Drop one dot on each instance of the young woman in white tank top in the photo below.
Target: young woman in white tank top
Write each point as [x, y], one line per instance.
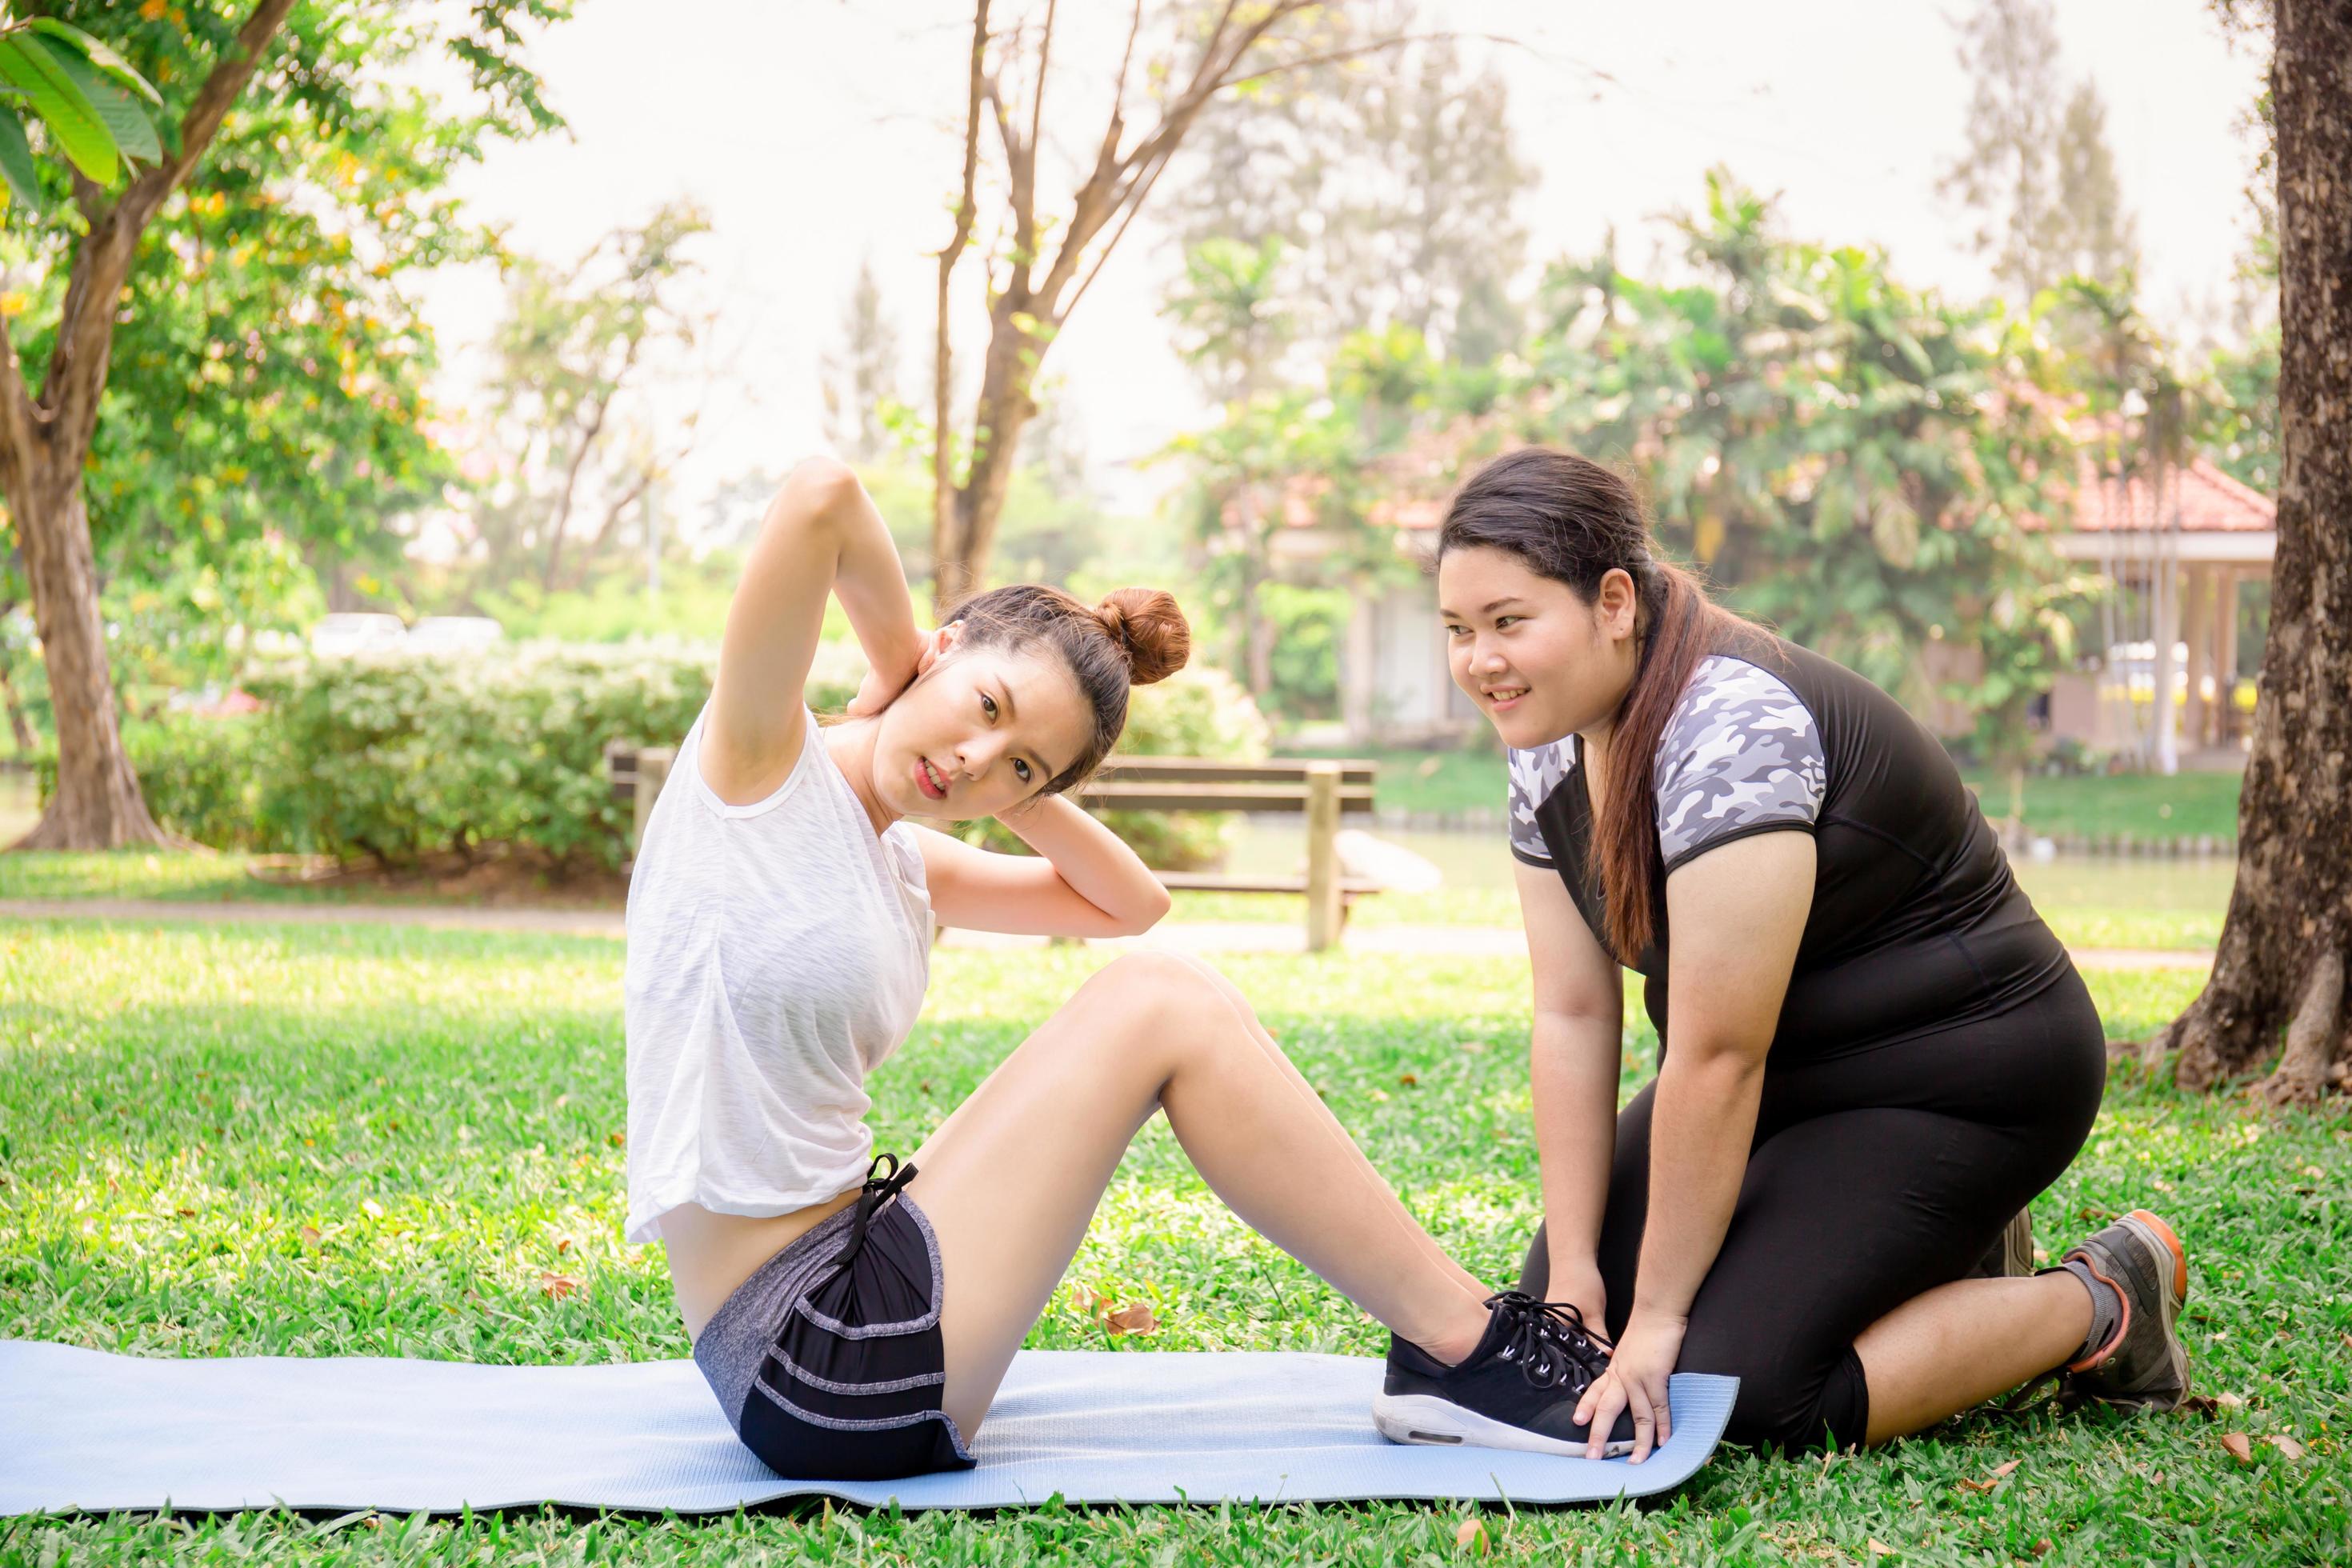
[853, 1315]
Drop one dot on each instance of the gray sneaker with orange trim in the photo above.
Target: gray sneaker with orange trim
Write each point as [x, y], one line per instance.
[2143, 1362]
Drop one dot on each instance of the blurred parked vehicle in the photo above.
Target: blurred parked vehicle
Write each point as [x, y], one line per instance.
[453, 633]
[349, 632]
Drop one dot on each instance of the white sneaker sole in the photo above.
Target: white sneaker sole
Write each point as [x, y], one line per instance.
[1425, 1418]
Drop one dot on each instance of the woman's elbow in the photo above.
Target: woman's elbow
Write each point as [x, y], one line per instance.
[816, 488]
[1152, 905]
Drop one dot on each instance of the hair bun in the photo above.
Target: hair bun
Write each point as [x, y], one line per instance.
[1146, 623]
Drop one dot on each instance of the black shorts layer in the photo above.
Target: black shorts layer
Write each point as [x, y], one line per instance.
[827, 1360]
[1875, 1176]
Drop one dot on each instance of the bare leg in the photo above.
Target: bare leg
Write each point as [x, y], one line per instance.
[1960, 1344]
[1011, 1180]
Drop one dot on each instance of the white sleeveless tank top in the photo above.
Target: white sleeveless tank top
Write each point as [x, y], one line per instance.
[777, 952]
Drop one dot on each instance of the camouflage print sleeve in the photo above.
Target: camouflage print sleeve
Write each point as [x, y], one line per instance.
[1534, 774]
[1739, 752]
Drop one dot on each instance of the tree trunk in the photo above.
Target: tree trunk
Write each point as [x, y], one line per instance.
[1006, 409]
[2285, 944]
[1257, 635]
[20, 727]
[97, 804]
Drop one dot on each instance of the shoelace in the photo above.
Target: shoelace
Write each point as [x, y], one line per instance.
[878, 1190]
[1549, 1340]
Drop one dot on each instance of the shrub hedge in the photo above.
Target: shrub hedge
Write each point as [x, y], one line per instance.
[396, 757]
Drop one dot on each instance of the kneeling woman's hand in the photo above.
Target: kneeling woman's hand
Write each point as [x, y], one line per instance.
[1635, 1381]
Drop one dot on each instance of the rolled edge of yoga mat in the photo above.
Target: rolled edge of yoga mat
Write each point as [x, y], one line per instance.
[83, 1430]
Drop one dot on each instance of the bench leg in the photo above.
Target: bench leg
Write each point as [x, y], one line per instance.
[1324, 910]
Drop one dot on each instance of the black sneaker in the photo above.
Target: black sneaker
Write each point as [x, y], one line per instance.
[1517, 1389]
[2143, 1365]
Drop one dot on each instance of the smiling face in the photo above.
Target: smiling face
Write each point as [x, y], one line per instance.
[1539, 662]
[981, 731]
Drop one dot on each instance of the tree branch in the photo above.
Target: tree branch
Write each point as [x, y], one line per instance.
[77, 370]
[1037, 103]
[942, 359]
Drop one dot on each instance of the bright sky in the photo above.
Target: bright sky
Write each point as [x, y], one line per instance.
[817, 132]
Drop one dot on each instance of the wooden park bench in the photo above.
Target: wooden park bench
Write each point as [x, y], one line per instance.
[1321, 791]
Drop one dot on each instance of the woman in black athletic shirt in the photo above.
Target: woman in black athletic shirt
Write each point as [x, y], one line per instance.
[1872, 1053]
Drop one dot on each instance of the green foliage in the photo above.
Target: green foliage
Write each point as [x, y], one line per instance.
[202, 777]
[270, 363]
[572, 453]
[394, 758]
[1307, 624]
[1852, 460]
[354, 1141]
[617, 607]
[2241, 407]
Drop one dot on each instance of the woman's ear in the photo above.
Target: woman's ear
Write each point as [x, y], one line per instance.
[937, 646]
[1619, 602]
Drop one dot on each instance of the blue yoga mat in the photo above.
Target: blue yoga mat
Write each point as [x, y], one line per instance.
[83, 1430]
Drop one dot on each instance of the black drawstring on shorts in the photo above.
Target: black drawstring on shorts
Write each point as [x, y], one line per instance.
[878, 1190]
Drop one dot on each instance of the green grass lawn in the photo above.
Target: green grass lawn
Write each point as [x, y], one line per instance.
[2185, 805]
[221, 1140]
[1451, 781]
[2123, 903]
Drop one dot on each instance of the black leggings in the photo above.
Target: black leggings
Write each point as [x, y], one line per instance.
[1875, 1177]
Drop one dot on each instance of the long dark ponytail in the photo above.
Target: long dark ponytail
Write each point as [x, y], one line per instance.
[1573, 520]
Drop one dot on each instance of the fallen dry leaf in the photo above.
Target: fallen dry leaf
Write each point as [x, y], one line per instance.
[2240, 1448]
[2285, 1445]
[2041, 1547]
[186, 1213]
[311, 1233]
[1409, 1079]
[1470, 1535]
[616, 1138]
[1135, 1317]
[557, 1285]
[1879, 1548]
[1088, 1302]
[2229, 1401]
[562, 1244]
[1991, 1480]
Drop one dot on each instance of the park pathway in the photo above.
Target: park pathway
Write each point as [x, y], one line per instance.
[1187, 936]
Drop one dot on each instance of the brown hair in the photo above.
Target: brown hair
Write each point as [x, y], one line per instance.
[1573, 520]
[1135, 637]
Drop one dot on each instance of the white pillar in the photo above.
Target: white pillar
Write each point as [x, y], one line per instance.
[2225, 655]
[2199, 620]
[2165, 581]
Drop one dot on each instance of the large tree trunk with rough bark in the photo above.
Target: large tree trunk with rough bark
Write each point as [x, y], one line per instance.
[97, 804]
[2285, 945]
[44, 441]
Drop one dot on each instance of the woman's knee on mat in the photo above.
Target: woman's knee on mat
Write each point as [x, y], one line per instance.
[1788, 1400]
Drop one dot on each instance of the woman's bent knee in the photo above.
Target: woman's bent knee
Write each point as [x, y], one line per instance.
[1153, 993]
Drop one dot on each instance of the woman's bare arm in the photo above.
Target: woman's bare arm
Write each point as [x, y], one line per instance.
[1736, 913]
[1575, 1051]
[821, 535]
[1083, 881]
